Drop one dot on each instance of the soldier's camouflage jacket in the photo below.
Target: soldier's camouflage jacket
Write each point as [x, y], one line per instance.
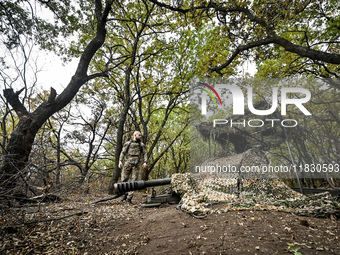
[135, 152]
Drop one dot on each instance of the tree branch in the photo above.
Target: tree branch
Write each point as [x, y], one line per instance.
[307, 52]
[52, 96]
[238, 50]
[13, 99]
[80, 76]
[302, 51]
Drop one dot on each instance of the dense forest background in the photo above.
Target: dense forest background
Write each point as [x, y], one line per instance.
[136, 60]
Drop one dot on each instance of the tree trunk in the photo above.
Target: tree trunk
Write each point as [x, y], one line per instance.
[144, 174]
[119, 147]
[127, 102]
[22, 138]
[120, 131]
[18, 150]
[58, 170]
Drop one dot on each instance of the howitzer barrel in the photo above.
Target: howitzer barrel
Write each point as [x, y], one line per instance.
[123, 187]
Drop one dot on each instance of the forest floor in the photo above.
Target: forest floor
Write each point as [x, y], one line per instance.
[76, 226]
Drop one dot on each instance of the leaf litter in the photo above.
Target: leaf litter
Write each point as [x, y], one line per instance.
[253, 225]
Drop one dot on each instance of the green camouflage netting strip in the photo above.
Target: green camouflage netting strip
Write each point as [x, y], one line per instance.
[261, 194]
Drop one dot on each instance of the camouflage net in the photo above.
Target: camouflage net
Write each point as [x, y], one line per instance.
[198, 196]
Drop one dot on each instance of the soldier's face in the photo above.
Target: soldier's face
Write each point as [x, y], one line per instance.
[138, 135]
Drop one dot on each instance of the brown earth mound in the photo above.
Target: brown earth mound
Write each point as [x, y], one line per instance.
[113, 227]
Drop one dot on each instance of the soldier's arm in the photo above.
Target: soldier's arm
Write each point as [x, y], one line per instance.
[145, 153]
[124, 151]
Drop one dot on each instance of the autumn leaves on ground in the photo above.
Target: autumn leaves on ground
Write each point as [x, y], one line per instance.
[76, 226]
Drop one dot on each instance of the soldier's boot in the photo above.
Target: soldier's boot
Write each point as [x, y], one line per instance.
[128, 200]
[124, 197]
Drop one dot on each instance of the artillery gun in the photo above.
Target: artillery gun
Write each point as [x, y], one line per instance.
[153, 199]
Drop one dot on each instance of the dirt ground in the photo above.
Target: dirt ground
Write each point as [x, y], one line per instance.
[76, 226]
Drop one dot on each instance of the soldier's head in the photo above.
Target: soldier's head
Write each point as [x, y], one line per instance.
[137, 136]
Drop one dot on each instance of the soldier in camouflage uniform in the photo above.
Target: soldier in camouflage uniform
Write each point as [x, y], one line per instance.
[135, 153]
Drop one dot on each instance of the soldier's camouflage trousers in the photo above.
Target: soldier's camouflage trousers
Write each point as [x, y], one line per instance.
[132, 170]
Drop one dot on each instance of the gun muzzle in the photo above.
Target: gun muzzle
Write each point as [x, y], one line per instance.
[123, 187]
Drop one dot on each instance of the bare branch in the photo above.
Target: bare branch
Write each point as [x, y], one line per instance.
[13, 99]
[52, 96]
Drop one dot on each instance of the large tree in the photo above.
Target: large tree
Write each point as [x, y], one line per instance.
[22, 137]
[299, 36]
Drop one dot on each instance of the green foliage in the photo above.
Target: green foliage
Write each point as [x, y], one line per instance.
[312, 24]
[21, 18]
[295, 251]
[154, 53]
